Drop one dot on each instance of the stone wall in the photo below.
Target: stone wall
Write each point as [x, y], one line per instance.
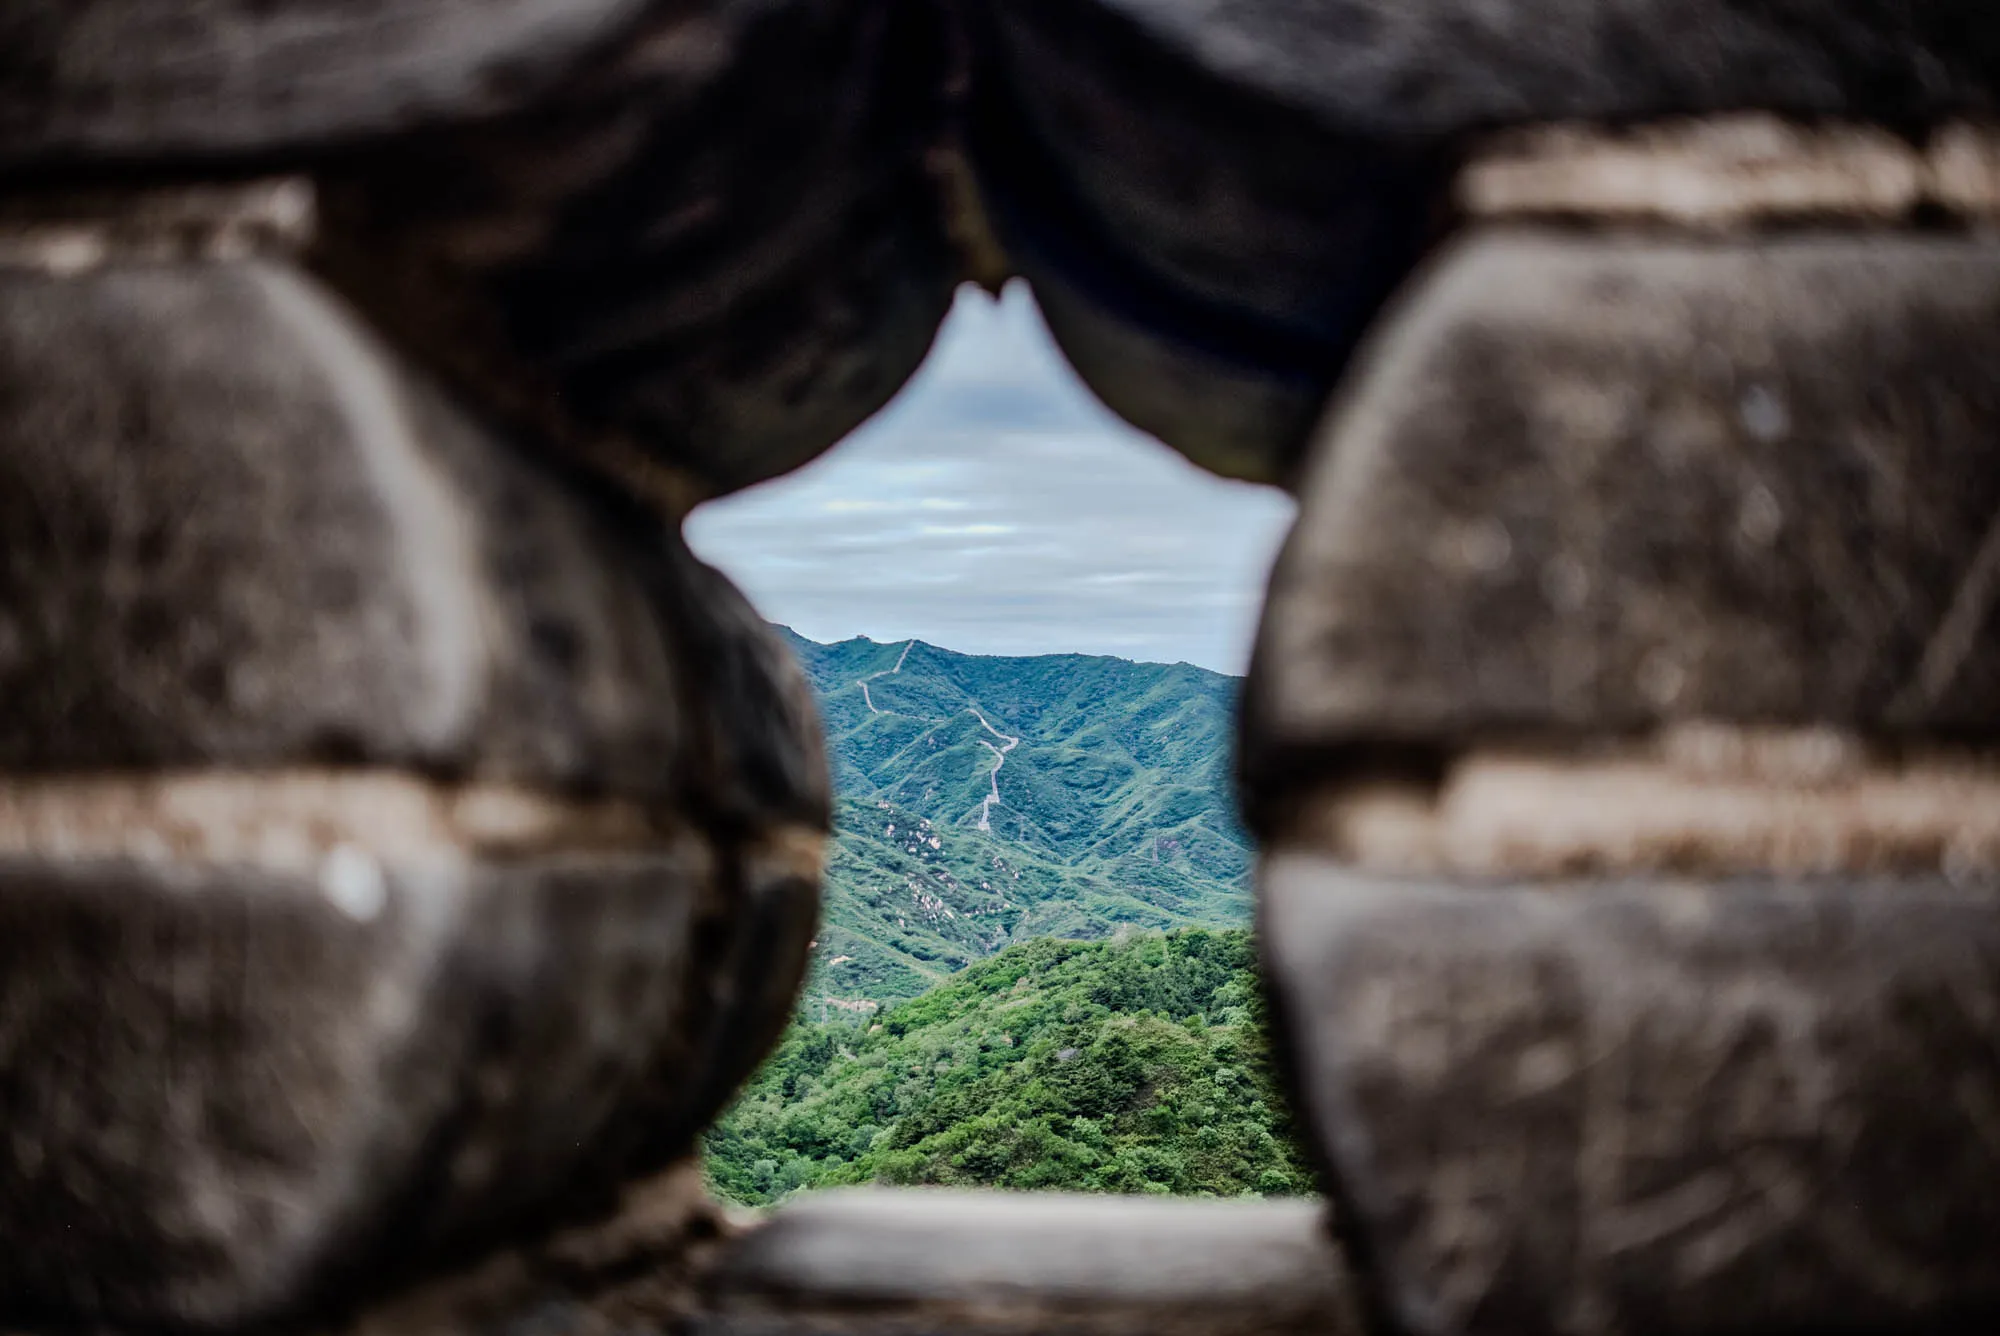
[406, 845]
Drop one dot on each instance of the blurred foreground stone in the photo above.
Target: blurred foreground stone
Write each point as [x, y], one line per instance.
[1651, 1103]
[404, 845]
[931, 1260]
[1592, 486]
[1621, 733]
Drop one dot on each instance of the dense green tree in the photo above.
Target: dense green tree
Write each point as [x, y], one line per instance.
[1131, 1066]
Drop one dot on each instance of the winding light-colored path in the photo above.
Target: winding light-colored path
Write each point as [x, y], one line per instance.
[863, 683]
[999, 753]
[999, 759]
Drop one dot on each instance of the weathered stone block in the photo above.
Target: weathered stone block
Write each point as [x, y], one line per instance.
[300, 1071]
[1646, 1104]
[707, 232]
[719, 252]
[403, 842]
[1230, 193]
[1398, 68]
[1208, 257]
[1598, 485]
[888, 1262]
[632, 1270]
[233, 531]
[225, 1082]
[1224, 412]
[146, 78]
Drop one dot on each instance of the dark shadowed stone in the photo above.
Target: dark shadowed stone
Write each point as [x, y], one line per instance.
[633, 1270]
[233, 531]
[1396, 68]
[1219, 197]
[228, 1088]
[708, 231]
[886, 1262]
[153, 78]
[1650, 1105]
[403, 843]
[236, 532]
[1209, 257]
[748, 392]
[729, 273]
[1223, 412]
[1596, 485]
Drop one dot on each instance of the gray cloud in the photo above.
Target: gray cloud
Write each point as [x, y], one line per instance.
[995, 507]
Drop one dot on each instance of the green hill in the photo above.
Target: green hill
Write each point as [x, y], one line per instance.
[1110, 806]
[1125, 1066]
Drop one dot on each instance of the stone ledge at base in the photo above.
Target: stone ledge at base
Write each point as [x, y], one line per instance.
[896, 1263]
[1649, 1104]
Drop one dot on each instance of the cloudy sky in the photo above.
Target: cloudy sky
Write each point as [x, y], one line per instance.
[995, 507]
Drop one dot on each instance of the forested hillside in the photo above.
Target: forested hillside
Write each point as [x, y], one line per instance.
[1122, 1066]
[984, 801]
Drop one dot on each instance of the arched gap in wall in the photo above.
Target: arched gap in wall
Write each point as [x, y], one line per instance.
[1024, 621]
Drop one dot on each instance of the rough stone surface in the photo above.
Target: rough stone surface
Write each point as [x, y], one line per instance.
[875, 1261]
[1187, 226]
[1231, 191]
[1597, 485]
[1649, 1106]
[1222, 412]
[707, 231]
[233, 532]
[403, 843]
[728, 272]
[225, 1086]
[701, 242]
[1434, 67]
[633, 1270]
[130, 78]
[283, 1079]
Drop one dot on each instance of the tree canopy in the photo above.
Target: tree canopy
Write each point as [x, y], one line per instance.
[1132, 1065]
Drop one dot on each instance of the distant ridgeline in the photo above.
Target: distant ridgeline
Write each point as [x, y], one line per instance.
[1114, 807]
[1120, 1066]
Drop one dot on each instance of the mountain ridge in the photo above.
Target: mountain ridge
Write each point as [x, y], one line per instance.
[984, 800]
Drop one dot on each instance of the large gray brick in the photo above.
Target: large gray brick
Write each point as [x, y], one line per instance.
[132, 78]
[1224, 195]
[404, 842]
[1588, 485]
[1208, 257]
[234, 531]
[1649, 1105]
[1398, 68]
[225, 1084]
[703, 235]
[721, 250]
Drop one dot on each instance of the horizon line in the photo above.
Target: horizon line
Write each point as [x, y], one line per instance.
[967, 654]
